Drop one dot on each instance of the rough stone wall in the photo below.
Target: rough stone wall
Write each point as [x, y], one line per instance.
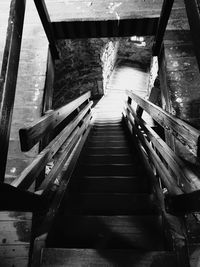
[87, 64]
[80, 68]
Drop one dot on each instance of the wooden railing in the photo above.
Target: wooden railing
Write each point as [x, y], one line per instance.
[8, 77]
[74, 118]
[181, 182]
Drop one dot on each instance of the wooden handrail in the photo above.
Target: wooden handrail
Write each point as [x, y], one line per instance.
[32, 134]
[29, 174]
[186, 134]
[183, 176]
[182, 183]
[8, 76]
[162, 25]
[193, 14]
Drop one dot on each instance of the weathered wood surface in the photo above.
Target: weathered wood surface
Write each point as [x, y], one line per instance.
[15, 234]
[30, 135]
[29, 90]
[183, 176]
[73, 257]
[8, 77]
[27, 177]
[185, 133]
[90, 19]
[73, 10]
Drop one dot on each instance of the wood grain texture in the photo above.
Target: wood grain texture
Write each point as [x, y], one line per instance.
[185, 133]
[32, 134]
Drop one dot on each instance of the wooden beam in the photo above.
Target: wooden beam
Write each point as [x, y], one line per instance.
[29, 174]
[186, 134]
[46, 22]
[32, 134]
[185, 178]
[162, 25]
[104, 28]
[8, 76]
[193, 13]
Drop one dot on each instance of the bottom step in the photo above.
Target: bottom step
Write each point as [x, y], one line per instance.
[109, 258]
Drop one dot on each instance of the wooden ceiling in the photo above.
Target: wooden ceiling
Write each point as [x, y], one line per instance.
[105, 18]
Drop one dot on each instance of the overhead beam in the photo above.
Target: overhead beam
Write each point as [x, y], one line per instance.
[104, 28]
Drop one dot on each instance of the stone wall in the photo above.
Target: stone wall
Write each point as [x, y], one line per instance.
[86, 64]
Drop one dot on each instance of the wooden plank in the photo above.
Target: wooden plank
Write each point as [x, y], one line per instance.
[65, 153]
[45, 19]
[9, 76]
[104, 10]
[44, 227]
[162, 25]
[186, 134]
[18, 233]
[30, 135]
[193, 13]
[33, 170]
[160, 167]
[109, 258]
[107, 28]
[184, 177]
[110, 232]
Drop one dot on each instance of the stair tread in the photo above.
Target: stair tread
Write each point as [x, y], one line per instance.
[138, 232]
[109, 258]
[109, 203]
[107, 169]
[110, 184]
[111, 159]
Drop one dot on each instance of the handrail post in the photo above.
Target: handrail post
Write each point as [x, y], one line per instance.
[162, 25]
[8, 76]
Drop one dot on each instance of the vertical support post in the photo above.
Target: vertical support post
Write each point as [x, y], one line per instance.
[8, 77]
[46, 22]
[162, 25]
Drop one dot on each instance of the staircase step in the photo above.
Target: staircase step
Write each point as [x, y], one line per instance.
[109, 204]
[110, 185]
[107, 169]
[103, 232]
[107, 138]
[108, 159]
[107, 143]
[110, 258]
[108, 150]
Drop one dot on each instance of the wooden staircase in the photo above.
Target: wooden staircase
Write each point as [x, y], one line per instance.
[108, 216]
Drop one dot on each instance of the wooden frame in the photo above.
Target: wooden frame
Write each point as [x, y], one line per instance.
[162, 25]
[46, 22]
[186, 134]
[181, 182]
[8, 77]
